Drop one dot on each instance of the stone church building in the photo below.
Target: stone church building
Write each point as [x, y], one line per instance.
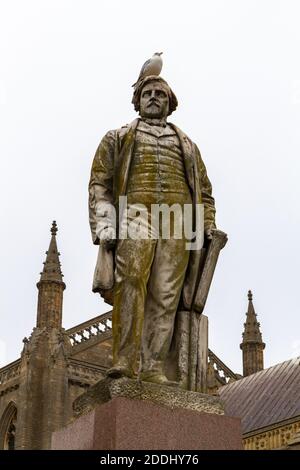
[57, 365]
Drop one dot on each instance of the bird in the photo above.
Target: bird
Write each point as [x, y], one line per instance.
[152, 66]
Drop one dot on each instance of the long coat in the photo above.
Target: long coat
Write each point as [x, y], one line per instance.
[108, 181]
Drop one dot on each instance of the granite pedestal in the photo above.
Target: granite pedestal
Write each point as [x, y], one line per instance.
[128, 415]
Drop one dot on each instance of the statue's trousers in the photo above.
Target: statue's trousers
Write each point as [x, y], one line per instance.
[148, 282]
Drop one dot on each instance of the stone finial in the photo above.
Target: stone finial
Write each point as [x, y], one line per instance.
[250, 296]
[54, 228]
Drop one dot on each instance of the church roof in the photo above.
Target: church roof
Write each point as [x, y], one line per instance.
[266, 397]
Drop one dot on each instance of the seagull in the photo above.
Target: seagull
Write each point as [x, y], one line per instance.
[152, 66]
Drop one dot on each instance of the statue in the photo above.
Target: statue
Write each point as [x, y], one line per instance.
[150, 162]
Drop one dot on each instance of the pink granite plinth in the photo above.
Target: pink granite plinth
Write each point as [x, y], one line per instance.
[126, 424]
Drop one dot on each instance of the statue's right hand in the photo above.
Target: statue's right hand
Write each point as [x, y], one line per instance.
[107, 237]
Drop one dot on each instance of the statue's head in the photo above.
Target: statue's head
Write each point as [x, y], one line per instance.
[153, 98]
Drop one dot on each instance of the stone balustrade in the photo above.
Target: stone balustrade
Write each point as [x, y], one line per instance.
[98, 326]
[225, 374]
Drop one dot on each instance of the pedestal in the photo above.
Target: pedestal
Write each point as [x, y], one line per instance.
[128, 415]
[127, 424]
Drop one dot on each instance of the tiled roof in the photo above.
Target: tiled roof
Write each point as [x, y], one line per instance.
[266, 397]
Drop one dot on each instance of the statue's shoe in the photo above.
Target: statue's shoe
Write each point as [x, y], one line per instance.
[119, 371]
[159, 379]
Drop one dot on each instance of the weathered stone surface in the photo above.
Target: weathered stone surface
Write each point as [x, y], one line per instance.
[170, 397]
[202, 354]
[294, 442]
[187, 359]
[153, 163]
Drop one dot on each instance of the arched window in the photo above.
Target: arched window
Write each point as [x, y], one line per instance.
[8, 425]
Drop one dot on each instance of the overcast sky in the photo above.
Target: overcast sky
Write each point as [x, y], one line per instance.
[66, 69]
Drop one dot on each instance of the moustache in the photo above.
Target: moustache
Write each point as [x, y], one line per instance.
[151, 102]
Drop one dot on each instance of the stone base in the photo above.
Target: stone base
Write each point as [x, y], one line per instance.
[128, 415]
[126, 424]
[172, 397]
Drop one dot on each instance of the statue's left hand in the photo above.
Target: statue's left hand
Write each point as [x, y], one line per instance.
[209, 232]
[107, 237]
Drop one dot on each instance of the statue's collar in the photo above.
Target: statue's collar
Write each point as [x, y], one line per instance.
[155, 122]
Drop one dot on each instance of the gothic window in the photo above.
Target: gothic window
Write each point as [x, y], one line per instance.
[8, 425]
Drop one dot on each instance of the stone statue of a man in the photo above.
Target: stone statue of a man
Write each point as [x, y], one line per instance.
[150, 161]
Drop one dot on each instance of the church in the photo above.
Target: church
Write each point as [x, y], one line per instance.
[37, 390]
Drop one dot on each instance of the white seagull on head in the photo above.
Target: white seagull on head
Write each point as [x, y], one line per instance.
[152, 66]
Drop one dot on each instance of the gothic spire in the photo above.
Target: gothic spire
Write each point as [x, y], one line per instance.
[251, 326]
[252, 344]
[52, 270]
[51, 287]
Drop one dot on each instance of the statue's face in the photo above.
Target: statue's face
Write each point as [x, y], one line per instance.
[154, 101]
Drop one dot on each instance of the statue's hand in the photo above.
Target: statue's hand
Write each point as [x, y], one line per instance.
[107, 237]
[209, 232]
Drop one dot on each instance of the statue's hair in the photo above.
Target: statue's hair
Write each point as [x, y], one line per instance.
[173, 103]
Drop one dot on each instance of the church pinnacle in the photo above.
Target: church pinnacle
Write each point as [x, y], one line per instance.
[52, 270]
[251, 326]
[51, 287]
[252, 344]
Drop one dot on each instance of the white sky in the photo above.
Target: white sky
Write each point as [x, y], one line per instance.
[66, 69]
